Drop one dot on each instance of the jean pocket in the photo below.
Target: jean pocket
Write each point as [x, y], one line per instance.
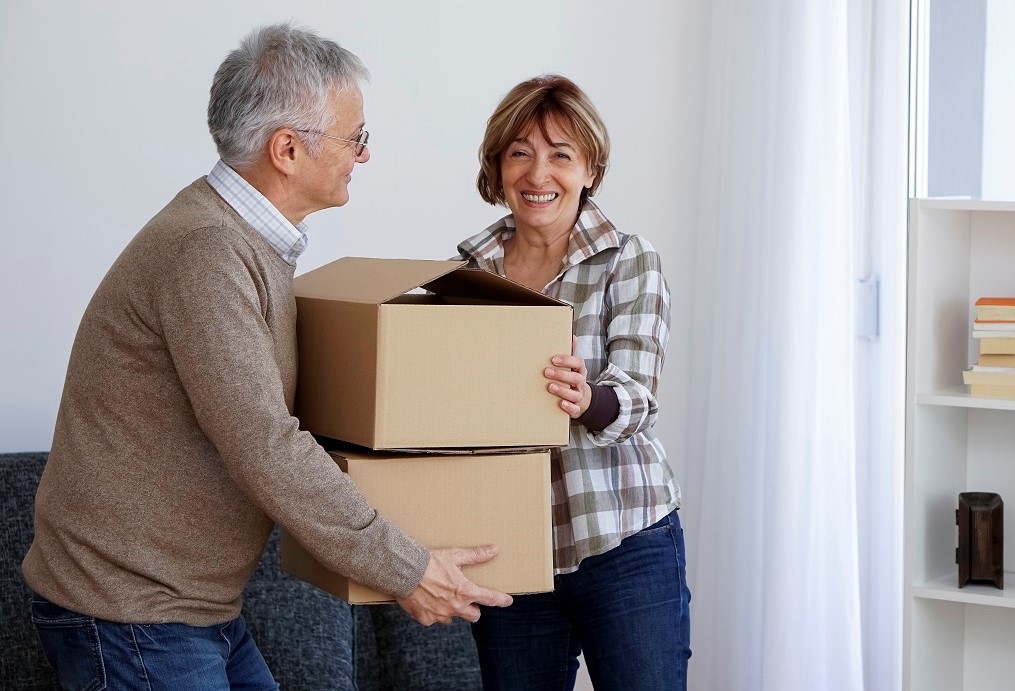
[646, 534]
[661, 527]
[71, 643]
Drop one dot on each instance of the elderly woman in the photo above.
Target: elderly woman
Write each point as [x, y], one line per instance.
[619, 591]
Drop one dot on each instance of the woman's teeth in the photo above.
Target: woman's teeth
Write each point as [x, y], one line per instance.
[539, 198]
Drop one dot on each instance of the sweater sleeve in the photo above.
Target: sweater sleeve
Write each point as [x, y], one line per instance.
[637, 333]
[213, 316]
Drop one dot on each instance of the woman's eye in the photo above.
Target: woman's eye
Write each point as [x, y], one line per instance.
[519, 154]
[562, 156]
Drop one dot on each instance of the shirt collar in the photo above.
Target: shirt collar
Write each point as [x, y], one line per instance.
[592, 234]
[287, 240]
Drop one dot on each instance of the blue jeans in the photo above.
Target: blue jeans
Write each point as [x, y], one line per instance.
[93, 654]
[627, 610]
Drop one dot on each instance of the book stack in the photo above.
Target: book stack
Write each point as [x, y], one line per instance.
[994, 331]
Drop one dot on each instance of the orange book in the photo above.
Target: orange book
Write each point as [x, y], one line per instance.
[995, 309]
[996, 301]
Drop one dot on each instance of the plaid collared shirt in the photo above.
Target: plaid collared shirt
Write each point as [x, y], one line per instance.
[287, 240]
[612, 483]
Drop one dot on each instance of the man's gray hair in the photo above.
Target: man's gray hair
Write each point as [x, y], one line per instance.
[280, 76]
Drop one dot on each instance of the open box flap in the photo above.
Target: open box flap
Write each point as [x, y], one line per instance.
[472, 283]
[369, 280]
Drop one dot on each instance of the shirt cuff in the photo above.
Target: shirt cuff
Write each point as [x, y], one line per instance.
[603, 408]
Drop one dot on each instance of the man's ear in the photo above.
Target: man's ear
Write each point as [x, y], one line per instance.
[283, 149]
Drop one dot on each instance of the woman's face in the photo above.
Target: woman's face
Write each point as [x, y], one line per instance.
[543, 180]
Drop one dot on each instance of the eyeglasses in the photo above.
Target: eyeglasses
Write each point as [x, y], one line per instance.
[360, 141]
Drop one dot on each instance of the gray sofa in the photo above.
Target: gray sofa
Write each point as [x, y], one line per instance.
[310, 640]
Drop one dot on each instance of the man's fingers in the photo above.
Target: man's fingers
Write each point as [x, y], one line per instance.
[474, 555]
[470, 614]
[490, 598]
[445, 592]
[483, 596]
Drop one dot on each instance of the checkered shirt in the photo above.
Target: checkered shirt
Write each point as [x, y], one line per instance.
[612, 483]
[287, 240]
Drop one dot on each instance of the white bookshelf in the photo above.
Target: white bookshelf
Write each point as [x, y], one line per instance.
[954, 638]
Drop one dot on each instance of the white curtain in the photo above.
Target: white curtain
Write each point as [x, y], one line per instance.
[797, 190]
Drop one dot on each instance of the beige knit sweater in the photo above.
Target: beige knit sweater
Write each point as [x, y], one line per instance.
[175, 449]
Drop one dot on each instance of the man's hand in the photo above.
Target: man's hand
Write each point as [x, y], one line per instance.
[445, 592]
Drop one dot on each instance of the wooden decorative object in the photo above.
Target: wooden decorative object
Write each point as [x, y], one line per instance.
[980, 555]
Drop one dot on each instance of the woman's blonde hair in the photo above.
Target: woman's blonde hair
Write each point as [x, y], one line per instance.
[549, 97]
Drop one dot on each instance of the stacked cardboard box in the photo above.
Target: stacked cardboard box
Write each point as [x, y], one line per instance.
[434, 371]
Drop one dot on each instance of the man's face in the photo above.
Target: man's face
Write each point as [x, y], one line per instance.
[325, 179]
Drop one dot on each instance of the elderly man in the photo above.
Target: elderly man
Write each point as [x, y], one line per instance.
[175, 450]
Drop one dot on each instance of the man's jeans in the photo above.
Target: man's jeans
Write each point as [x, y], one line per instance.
[627, 610]
[93, 654]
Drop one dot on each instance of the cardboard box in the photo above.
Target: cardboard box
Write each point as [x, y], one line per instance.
[451, 501]
[461, 366]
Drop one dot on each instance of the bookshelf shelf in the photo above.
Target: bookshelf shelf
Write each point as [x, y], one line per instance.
[945, 588]
[959, 250]
[945, 203]
[960, 397]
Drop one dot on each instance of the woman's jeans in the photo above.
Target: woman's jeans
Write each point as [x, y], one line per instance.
[627, 610]
[93, 654]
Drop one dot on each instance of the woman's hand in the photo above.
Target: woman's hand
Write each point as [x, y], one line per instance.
[568, 382]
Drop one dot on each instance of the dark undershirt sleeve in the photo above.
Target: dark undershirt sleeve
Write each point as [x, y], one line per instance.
[604, 408]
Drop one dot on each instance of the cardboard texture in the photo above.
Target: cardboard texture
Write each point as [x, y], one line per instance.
[461, 366]
[451, 501]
